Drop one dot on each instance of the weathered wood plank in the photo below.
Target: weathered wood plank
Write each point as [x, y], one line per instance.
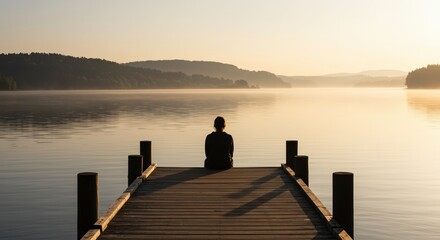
[240, 203]
[92, 234]
[216, 236]
[338, 232]
[149, 171]
[103, 221]
[235, 222]
[341, 234]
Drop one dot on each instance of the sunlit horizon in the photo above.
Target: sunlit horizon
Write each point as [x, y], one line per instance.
[283, 37]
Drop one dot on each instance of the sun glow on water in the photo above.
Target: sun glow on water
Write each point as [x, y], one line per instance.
[387, 137]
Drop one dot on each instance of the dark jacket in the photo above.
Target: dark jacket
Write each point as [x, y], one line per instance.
[219, 150]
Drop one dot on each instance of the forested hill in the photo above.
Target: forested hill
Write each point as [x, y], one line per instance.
[426, 77]
[214, 69]
[55, 71]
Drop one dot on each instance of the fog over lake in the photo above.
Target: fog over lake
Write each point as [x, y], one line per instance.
[389, 138]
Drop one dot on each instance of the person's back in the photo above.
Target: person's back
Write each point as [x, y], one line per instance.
[219, 147]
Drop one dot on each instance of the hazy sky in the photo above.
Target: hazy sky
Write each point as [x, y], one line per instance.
[285, 37]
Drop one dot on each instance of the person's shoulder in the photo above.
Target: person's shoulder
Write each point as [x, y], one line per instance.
[211, 134]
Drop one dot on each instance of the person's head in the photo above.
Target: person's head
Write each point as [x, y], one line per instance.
[219, 124]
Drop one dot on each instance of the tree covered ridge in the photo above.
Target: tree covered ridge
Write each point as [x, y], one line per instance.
[425, 77]
[56, 71]
[214, 69]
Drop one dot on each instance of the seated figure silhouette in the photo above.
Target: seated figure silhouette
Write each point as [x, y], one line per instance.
[219, 147]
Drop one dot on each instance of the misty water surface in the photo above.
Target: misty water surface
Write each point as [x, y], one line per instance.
[388, 137]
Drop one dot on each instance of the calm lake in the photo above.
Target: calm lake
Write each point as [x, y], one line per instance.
[389, 138]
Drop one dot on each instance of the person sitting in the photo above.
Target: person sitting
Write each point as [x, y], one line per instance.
[219, 147]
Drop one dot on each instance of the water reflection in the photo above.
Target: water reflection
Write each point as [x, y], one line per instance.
[393, 152]
[426, 101]
[47, 111]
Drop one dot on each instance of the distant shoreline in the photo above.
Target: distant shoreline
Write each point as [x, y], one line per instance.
[55, 71]
[208, 89]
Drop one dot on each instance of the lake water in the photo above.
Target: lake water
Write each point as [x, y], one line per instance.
[389, 138]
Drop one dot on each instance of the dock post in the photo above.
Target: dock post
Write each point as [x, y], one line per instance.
[145, 151]
[87, 203]
[301, 166]
[134, 167]
[343, 209]
[291, 152]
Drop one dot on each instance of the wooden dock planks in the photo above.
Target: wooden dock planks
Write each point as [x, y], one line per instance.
[240, 203]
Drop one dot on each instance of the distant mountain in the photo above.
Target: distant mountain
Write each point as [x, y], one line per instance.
[424, 78]
[376, 78]
[214, 69]
[371, 73]
[384, 73]
[55, 71]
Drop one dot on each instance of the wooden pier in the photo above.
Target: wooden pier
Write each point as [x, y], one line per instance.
[196, 203]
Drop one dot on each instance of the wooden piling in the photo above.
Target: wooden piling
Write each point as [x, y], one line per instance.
[145, 151]
[291, 152]
[87, 203]
[343, 207]
[248, 199]
[301, 166]
[134, 167]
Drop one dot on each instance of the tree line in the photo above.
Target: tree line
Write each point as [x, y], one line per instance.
[55, 71]
[214, 69]
[426, 77]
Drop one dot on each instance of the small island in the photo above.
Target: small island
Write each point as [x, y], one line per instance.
[424, 78]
